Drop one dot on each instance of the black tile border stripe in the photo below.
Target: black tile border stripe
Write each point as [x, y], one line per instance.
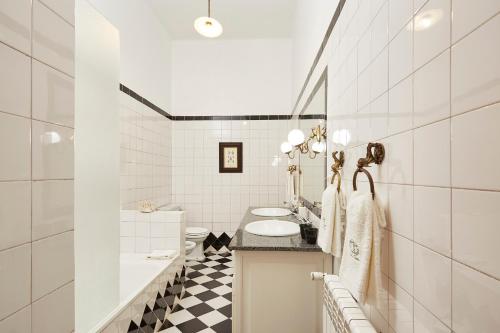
[332, 24]
[164, 113]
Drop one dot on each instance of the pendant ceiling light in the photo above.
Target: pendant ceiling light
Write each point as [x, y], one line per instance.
[208, 26]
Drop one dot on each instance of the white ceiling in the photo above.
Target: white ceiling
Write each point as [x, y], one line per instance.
[240, 19]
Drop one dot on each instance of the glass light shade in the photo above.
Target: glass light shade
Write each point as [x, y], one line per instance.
[208, 27]
[286, 147]
[296, 137]
[318, 147]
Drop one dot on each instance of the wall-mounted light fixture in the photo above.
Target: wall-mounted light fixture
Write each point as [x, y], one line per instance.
[313, 145]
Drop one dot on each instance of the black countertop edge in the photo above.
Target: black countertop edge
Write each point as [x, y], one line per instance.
[245, 241]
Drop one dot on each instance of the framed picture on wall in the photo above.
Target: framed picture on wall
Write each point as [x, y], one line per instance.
[230, 157]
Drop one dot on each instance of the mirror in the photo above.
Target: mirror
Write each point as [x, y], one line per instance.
[313, 170]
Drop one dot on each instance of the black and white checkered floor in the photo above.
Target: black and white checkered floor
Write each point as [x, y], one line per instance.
[206, 305]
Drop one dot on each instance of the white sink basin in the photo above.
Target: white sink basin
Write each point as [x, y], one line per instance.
[268, 212]
[273, 228]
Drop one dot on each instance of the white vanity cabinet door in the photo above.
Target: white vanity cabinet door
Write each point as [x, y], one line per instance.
[273, 291]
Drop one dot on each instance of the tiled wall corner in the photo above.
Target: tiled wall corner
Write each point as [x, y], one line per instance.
[36, 173]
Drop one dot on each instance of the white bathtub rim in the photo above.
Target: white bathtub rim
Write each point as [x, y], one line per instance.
[128, 301]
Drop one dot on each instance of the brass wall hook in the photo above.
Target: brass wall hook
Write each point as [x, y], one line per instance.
[292, 168]
[375, 153]
[336, 166]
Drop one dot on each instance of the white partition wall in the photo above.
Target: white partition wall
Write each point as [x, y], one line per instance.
[97, 167]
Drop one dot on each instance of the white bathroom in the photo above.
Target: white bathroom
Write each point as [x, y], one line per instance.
[249, 166]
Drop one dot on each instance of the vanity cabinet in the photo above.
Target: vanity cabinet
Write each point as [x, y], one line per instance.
[272, 287]
[273, 291]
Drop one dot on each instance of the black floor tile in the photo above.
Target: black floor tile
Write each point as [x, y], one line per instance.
[192, 326]
[223, 327]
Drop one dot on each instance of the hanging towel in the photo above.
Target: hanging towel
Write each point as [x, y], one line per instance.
[332, 221]
[360, 268]
[290, 188]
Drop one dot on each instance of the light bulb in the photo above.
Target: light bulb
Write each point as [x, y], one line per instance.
[296, 137]
[286, 147]
[318, 147]
[208, 27]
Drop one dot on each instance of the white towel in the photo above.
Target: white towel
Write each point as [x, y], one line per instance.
[162, 254]
[290, 189]
[360, 269]
[332, 221]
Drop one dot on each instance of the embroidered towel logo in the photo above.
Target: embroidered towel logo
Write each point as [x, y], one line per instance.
[354, 249]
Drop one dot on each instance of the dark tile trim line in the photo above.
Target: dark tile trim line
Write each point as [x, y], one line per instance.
[144, 101]
[332, 24]
[164, 113]
[312, 116]
[252, 117]
[315, 210]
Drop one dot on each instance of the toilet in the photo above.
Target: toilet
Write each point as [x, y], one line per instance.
[196, 235]
[189, 247]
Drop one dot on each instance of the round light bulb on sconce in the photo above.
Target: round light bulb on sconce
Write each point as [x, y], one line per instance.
[208, 27]
[318, 147]
[296, 137]
[286, 147]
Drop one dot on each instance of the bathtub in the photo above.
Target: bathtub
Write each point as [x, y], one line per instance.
[137, 272]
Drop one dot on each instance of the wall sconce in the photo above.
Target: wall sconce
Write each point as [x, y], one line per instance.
[298, 142]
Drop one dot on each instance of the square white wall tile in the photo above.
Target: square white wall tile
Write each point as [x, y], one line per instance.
[432, 154]
[52, 207]
[400, 56]
[401, 106]
[15, 29]
[476, 132]
[432, 276]
[15, 147]
[15, 279]
[399, 158]
[53, 95]
[476, 300]
[432, 218]
[400, 13]
[400, 309]
[19, 322]
[53, 151]
[432, 91]
[53, 39]
[15, 80]
[65, 8]
[63, 299]
[432, 38]
[468, 15]
[475, 229]
[53, 263]
[426, 322]
[15, 214]
[401, 261]
[475, 70]
[400, 209]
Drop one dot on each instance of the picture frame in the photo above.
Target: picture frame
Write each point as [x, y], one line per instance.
[230, 157]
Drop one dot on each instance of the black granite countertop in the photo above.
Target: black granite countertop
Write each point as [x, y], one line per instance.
[245, 241]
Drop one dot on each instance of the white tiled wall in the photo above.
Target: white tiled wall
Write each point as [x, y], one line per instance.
[147, 232]
[146, 159]
[36, 173]
[217, 201]
[426, 84]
